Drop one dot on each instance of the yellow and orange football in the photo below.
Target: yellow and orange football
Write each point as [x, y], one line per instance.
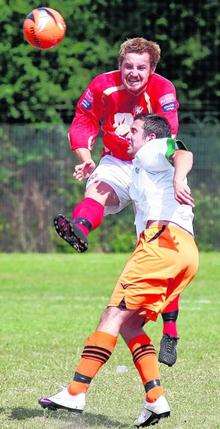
[44, 28]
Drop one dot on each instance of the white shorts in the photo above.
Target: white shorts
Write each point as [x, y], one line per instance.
[117, 174]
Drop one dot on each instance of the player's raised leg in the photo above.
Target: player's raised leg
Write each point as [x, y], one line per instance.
[107, 192]
[87, 215]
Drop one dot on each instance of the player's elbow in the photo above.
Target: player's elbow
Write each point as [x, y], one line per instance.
[188, 160]
[70, 140]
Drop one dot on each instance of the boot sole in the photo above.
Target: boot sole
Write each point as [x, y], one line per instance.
[166, 362]
[53, 407]
[154, 419]
[74, 237]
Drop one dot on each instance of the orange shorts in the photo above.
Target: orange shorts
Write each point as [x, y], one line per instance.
[163, 263]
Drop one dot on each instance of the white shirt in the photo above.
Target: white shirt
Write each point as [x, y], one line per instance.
[152, 186]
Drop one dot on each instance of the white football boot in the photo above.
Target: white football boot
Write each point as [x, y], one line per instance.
[152, 412]
[64, 400]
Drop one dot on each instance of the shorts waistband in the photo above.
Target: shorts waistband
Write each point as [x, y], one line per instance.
[161, 223]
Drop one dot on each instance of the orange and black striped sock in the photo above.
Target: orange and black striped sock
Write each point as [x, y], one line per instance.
[145, 360]
[98, 349]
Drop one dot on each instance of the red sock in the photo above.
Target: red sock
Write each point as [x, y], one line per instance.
[170, 328]
[90, 211]
[169, 318]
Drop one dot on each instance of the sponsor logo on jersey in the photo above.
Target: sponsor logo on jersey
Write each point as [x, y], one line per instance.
[122, 130]
[87, 100]
[86, 104]
[166, 99]
[137, 110]
[125, 285]
[122, 119]
[151, 233]
[169, 107]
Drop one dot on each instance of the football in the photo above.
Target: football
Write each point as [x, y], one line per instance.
[44, 28]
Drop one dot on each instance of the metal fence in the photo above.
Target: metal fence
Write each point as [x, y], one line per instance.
[36, 183]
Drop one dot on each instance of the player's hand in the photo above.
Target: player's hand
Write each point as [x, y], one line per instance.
[84, 170]
[182, 193]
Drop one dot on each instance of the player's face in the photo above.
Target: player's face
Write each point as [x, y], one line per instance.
[136, 137]
[135, 71]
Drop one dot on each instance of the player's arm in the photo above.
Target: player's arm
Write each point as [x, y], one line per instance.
[166, 105]
[176, 152]
[157, 157]
[183, 162]
[84, 130]
[86, 164]
[117, 145]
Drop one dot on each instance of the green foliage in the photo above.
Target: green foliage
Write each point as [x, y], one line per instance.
[207, 224]
[44, 85]
[41, 87]
[117, 234]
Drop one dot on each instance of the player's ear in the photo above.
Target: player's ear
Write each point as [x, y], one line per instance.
[151, 136]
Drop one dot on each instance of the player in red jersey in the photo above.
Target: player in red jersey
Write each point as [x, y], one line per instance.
[109, 105]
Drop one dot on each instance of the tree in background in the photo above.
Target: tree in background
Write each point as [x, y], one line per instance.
[39, 90]
[45, 85]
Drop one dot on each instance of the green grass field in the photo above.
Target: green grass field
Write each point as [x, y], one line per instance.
[51, 302]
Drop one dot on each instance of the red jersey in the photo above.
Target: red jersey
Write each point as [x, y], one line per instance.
[106, 105]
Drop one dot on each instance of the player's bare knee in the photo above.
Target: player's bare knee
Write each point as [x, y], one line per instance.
[102, 193]
[106, 317]
[132, 327]
[112, 318]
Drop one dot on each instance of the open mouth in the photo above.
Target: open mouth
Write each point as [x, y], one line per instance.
[133, 82]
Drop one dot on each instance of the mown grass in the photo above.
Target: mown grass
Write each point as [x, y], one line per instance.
[51, 302]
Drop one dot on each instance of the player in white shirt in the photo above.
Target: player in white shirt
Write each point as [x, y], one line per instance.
[152, 187]
[163, 263]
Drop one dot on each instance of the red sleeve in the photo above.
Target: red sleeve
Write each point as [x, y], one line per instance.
[117, 145]
[166, 104]
[85, 125]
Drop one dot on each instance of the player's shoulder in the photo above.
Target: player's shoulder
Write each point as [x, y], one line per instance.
[107, 80]
[158, 83]
[159, 144]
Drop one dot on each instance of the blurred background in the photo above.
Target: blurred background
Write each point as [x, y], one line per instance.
[39, 91]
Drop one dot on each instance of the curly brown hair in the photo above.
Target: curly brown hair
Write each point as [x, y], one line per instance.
[139, 45]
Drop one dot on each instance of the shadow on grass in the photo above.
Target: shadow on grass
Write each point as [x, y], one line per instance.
[82, 420]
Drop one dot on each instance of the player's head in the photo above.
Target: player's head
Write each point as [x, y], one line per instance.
[145, 128]
[137, 59]
[139, 45]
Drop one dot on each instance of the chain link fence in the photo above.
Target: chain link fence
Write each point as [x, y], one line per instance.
[36, 184]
